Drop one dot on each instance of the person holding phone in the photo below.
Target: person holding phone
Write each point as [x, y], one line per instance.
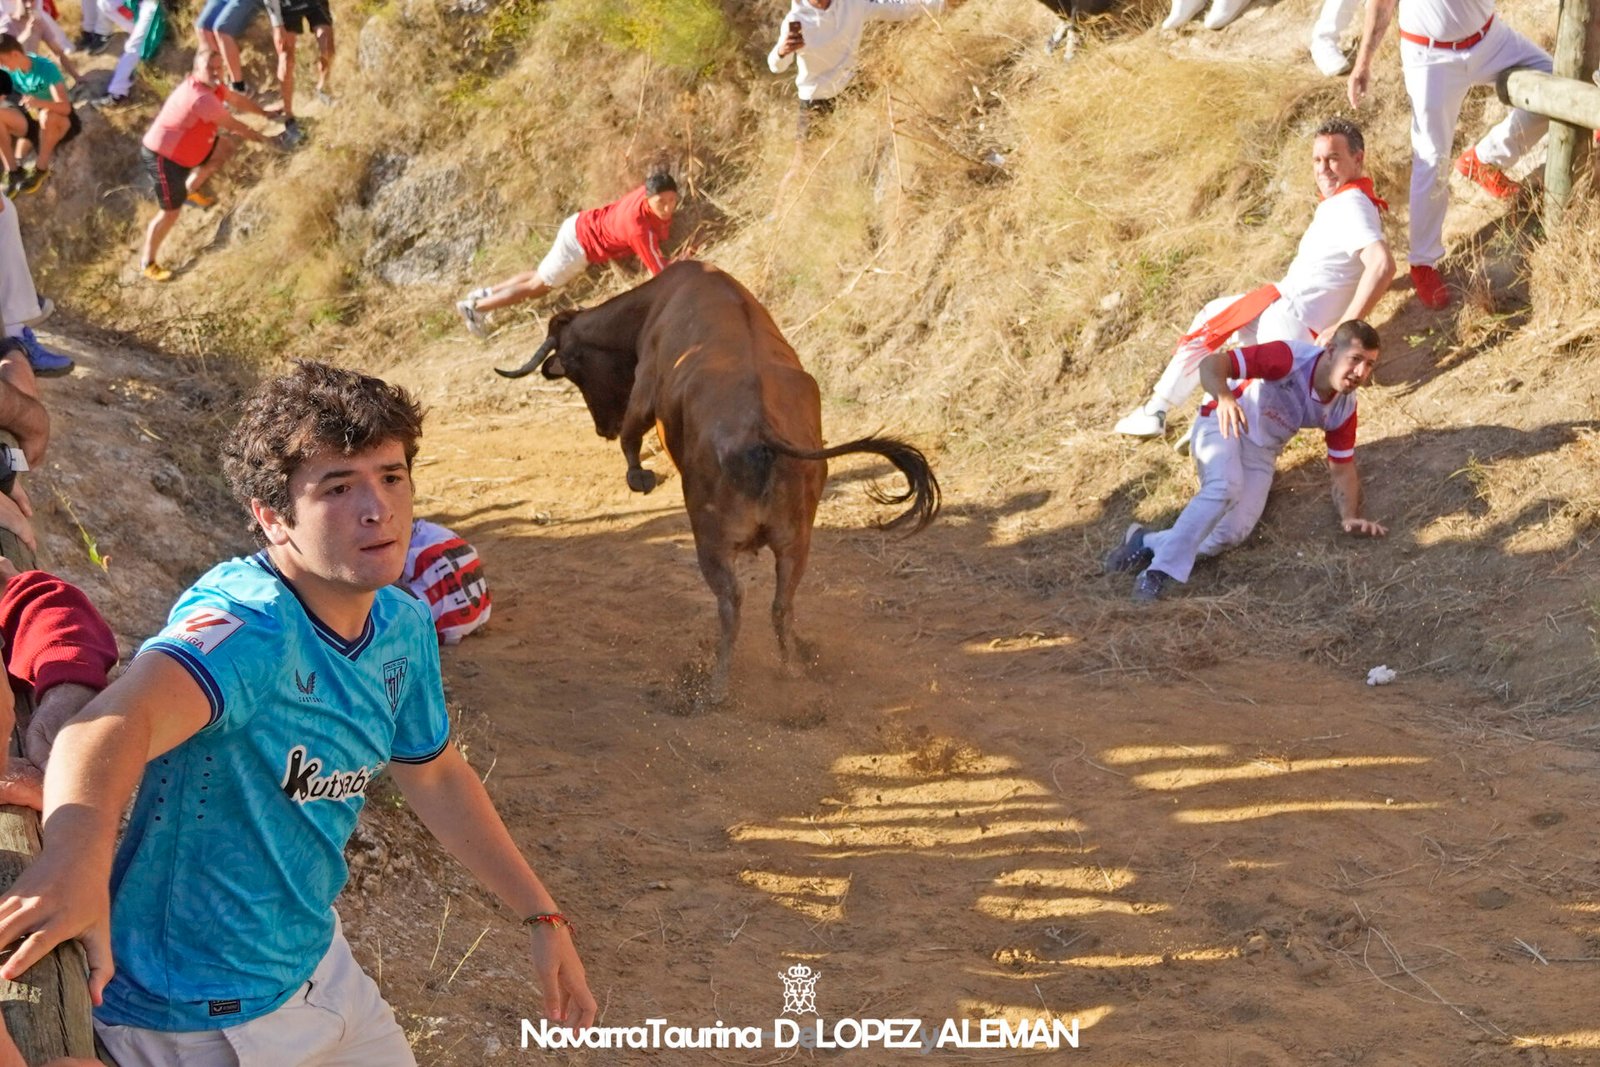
[824, 35]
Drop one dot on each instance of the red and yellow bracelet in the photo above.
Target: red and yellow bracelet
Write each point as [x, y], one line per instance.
[554, 918]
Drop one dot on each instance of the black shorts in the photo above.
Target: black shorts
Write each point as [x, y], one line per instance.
[810, 111]
[170, 179]
[302, 16]
[74, 127]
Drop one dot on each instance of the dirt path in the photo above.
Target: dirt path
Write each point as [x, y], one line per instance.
[1262, 864]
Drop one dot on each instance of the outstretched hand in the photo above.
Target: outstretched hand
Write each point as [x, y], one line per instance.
[1360, 81]
[1364, 528]
[560, 973]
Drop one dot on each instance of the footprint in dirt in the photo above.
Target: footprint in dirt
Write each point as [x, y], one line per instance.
[689, 693]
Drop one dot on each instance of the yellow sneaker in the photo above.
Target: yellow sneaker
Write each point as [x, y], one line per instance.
[199, 199]
[157, 273]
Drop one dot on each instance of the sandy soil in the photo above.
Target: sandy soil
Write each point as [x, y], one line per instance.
[1265, 863]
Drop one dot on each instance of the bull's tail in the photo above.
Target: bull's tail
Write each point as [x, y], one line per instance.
[922, 488]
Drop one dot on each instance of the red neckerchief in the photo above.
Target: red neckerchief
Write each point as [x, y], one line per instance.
[1365, 185]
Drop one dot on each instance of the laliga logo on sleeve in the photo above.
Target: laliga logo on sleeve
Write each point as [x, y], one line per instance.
[800, 990]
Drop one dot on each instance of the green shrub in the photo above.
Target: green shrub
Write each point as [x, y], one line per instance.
[687, 35]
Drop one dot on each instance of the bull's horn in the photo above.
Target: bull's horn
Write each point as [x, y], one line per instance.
[532, 365]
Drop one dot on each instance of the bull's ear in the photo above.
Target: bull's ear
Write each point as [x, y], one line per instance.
[552, 368]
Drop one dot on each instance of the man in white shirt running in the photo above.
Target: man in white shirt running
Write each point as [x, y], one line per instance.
[1340, 271]
[1447, 47]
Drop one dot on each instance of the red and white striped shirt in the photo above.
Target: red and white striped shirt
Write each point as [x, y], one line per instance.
[444, 572]
[1273, 384]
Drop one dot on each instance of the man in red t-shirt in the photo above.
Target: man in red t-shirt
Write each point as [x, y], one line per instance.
[190, 140]
[636, 225]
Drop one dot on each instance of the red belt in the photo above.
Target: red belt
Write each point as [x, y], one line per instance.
[1454, 46]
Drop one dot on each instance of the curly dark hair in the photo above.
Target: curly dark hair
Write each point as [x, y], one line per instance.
[1339, 126]
[313, 408]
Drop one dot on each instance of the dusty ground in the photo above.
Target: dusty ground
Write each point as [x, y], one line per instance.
[973, 806]
[1265, 863]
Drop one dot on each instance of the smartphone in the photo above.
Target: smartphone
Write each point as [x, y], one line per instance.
[794, 27]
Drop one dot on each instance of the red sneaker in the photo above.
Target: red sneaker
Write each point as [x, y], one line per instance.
[1491, 180]
[1430, 287]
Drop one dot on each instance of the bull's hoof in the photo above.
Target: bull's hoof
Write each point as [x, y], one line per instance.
[641, 480]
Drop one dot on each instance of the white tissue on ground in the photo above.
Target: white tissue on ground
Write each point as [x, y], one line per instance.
[1380, 675]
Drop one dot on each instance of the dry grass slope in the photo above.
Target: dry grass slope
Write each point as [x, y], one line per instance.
[989, 250]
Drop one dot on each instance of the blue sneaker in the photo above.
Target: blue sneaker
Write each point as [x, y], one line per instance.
[1131, 555]
[45, 363]
[1151, 585]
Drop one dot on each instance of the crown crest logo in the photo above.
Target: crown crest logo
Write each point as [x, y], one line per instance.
[799, 990]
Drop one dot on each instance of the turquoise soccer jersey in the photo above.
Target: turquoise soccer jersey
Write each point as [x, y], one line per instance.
[223, 886]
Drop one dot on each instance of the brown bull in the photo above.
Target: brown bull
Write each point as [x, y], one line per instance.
[692, 353]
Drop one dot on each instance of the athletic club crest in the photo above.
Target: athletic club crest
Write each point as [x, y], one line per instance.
[394, 680]
[799, 990]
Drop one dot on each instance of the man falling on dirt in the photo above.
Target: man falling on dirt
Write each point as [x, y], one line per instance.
[635, 225]
[1258, 398]
[252, 725]
[1340, 271]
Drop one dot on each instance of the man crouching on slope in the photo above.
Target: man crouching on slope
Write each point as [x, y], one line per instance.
[1258, 398]
[282, 685]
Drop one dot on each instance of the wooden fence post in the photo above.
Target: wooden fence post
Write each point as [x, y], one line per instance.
[1574, 58]
[48, 1011]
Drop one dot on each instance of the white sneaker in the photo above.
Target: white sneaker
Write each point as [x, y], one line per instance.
[1329, 57]
[472, 317]
[1182, 11]
[1141, 422]
[1223, 12]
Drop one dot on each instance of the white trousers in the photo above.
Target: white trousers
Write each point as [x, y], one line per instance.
[19, 302]
[1437, 80]
[46, 30]
[337, 1019]
[1277, 323]
[566, 258]
[1235, 477]
[95, 18]
[1333, 20]
[137, 29]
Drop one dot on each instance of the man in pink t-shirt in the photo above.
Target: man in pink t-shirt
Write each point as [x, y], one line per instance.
[190, 140]
[635, 225]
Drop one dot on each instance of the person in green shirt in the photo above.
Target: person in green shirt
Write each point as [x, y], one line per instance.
[43, 118]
